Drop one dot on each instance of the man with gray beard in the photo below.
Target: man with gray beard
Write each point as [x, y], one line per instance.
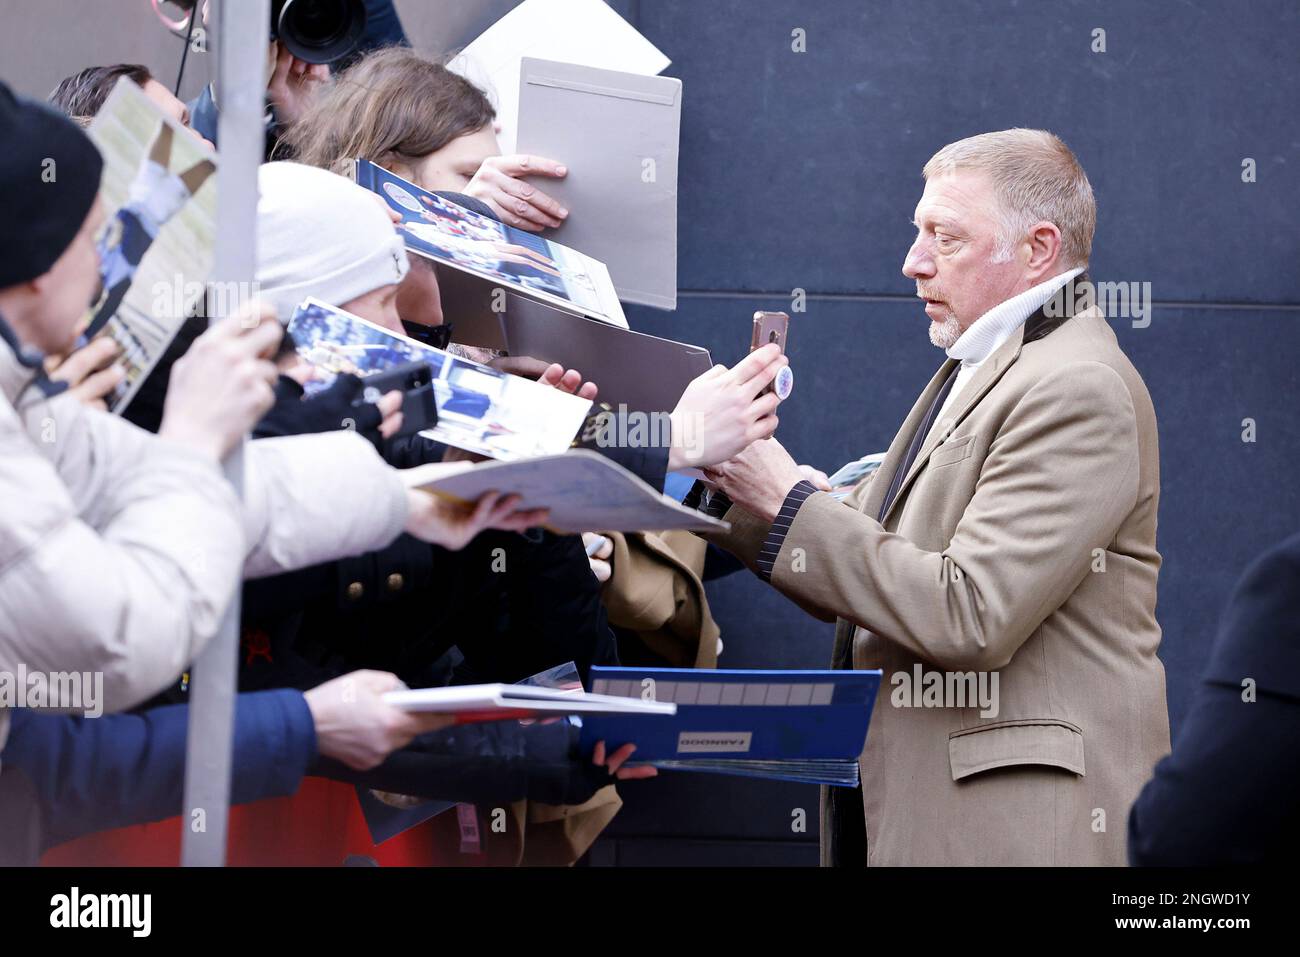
[1011, 528]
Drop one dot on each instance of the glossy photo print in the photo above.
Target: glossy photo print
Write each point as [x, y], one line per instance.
[157, 247]
[438, 229]
[480, 409]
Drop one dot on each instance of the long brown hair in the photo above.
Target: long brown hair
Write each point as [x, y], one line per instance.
[391, 105]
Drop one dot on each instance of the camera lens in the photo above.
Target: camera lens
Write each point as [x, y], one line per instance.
[321, 31]
[318, 24]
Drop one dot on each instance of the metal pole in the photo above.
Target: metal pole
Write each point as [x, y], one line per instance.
[242, 38]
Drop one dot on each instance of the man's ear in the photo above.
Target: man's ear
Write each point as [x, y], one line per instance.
[1044, 245]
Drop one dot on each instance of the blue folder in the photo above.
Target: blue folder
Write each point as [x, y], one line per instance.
[790, 725]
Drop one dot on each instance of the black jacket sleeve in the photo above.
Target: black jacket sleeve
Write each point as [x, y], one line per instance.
[1230, 791]
[549, 610]
[392, 573]
[636, 448]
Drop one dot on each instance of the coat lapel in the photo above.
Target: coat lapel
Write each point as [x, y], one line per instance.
[984, 379]
[898, 448]
[870, 504]
[1037, 326]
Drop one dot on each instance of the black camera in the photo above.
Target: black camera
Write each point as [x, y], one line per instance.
[318, 31]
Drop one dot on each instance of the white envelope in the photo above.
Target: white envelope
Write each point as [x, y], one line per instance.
[618, 135]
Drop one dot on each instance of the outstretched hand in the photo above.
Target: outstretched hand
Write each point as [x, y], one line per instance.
[222, 386]
[721, 412]
[614, 763]
[293, 84]
[453, 525]
[552, 374]
[568, 380]
[355, 726]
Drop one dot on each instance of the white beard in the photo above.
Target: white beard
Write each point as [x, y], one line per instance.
[945, 333]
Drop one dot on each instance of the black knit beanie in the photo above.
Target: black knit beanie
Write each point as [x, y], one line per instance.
[49, 176]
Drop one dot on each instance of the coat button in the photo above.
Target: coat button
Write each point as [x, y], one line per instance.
[395, 582]
[355, 591]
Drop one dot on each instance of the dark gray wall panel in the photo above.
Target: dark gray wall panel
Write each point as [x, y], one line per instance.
[803, 169]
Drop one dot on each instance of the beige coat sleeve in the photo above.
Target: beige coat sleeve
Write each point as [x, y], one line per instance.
[1058, 480]
[748, 532]
[854, 499]
[656, 591]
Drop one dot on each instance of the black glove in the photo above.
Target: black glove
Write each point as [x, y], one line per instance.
[329, 410]
[486, 764]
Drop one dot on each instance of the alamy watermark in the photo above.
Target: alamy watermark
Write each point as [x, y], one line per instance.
[1117, 300]
[62, 690]
[176, 296]
[919, 688]
[631, 429]
[133, 912]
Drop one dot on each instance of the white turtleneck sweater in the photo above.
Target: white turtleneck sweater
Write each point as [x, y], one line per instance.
[983, 336]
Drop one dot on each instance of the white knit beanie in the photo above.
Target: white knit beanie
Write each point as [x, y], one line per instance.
[321, 235]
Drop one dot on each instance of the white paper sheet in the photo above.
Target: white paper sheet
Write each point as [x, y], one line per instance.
[482, 701]
[586, 32]
[584, 490]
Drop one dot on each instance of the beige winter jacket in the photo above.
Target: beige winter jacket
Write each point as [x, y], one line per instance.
[119, 550]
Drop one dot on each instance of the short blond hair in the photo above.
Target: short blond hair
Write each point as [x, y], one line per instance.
[1036, 177]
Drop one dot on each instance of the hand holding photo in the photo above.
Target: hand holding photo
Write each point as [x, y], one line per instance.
[449, 234]
[480, 409]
